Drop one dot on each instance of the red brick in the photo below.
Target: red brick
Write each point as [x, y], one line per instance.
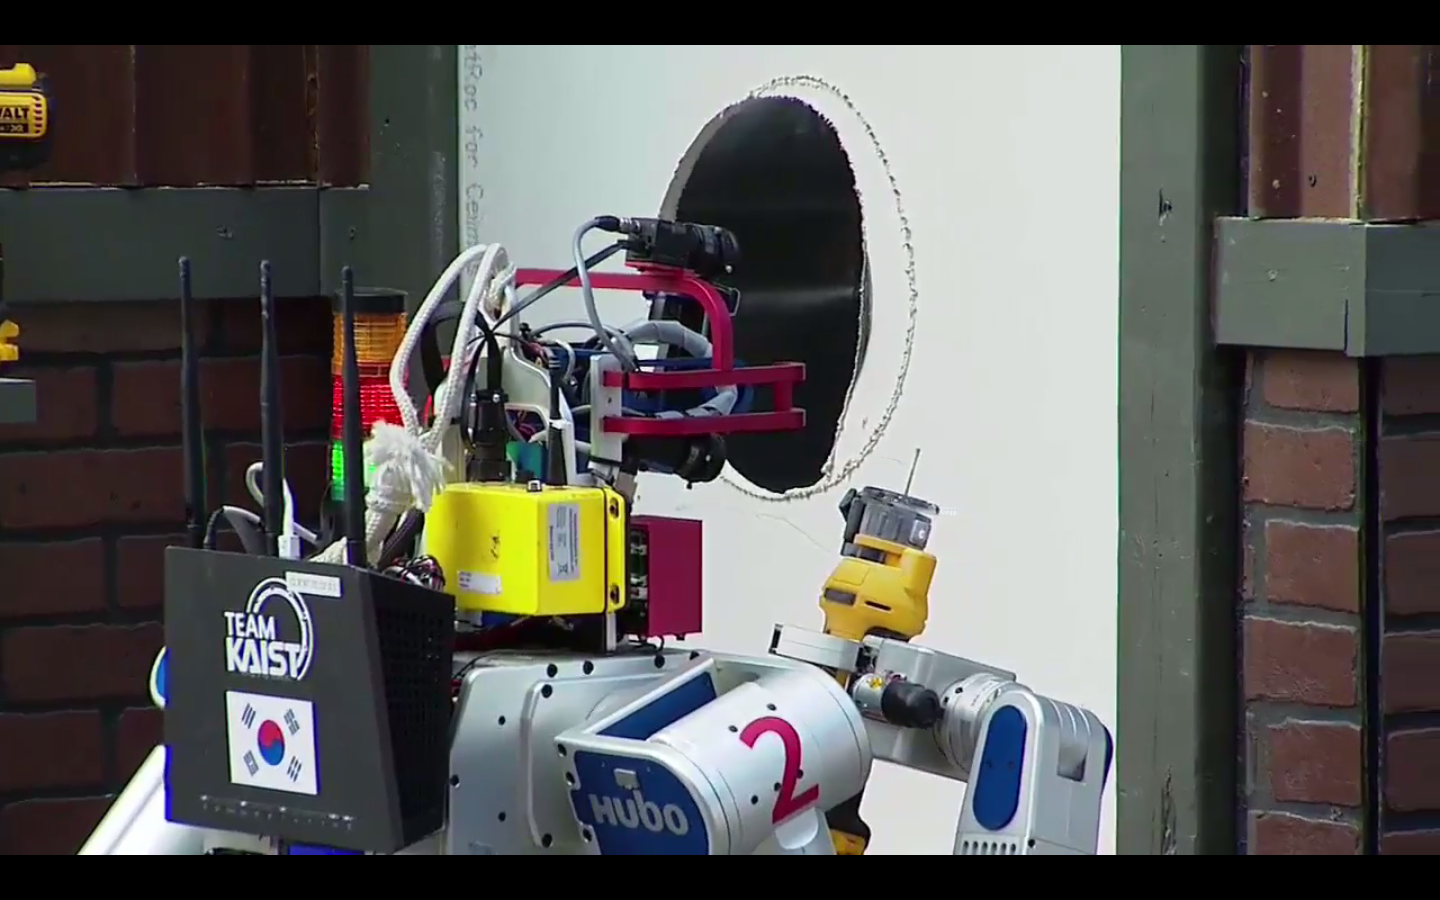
[52, 750]
[1410, 843]
[78, 662]
[1412, 570]
[302, 325]
[148, 395]
[49, 827]
[66, 402]
[89, 487]
[1312, 565]
[137, 734]
[1300, 379]
[53, 579]
[1306, 468]
[128, 327]
[1412, 770]
[1300, 662]
[140, 570]
[1411, 385]
[1410, 476]
[1315, 762]
[1282, 834]
[1411, 680]
[307, 469]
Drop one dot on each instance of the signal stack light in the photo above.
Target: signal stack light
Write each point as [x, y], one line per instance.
[379, 328]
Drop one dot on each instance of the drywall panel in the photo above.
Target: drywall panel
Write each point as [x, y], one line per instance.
[989, 183]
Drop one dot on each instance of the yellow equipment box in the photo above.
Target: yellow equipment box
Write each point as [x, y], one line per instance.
[530, 550]
[24, 119]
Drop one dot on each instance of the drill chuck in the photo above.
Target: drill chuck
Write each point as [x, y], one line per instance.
[885, 516]
[901, 703]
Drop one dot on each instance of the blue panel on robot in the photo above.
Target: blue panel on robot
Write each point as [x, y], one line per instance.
[659, 818]
[665, 710]
[997, 785]
[159, 689]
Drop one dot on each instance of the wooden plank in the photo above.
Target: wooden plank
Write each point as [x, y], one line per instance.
[94, 136]
[1402, 133]
[281, 124]
[342, 114]
[193, 115]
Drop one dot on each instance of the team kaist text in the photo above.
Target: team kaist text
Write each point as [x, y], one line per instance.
[252, 648]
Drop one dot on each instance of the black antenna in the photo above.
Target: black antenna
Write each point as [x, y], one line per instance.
[351, 436]
[272, 440]
[191, 428]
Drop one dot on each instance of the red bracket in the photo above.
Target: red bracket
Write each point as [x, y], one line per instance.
[780, 377]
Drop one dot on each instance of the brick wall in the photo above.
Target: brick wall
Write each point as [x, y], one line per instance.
[1409, 693]
[1301, 627]
[89, 497]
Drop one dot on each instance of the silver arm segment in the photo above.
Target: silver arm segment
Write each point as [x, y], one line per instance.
[1035, 767]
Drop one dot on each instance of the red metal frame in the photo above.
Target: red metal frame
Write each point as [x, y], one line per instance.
[780, 377]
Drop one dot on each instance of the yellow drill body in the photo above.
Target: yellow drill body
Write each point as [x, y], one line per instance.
[881, 587]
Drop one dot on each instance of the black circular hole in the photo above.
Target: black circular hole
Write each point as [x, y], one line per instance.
[770, 706]
[561, 750]
[773, 171]
[777, 787]
[659, 661]
[552, 670]
[569, 779]
[546, 840]
[588, 667]
[734, 729]
[546, 691]
[500, 721]
[754, 800]
[586, 835]
[799, 773]
[454, 781]
[501, 817]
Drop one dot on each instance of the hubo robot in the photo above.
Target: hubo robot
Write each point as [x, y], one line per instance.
[473, 657]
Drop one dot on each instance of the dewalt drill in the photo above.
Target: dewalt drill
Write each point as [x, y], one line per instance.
[24, 144]
[881, 587]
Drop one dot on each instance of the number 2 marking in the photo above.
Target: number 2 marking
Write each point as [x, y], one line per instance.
[788, 803]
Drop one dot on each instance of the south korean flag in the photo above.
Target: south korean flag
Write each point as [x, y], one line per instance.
[272, 743]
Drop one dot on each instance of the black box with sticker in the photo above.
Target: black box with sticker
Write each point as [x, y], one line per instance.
[307, 702]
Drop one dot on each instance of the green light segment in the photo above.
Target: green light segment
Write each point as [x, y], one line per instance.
[337, 471]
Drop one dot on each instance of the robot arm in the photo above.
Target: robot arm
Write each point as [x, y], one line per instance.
[1035, 767]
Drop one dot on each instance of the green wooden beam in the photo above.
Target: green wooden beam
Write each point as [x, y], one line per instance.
[1176, 744]
[413, 229]
[17, 401]
[99, 244]
[1362, 288]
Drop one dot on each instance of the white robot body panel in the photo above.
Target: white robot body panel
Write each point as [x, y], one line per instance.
[508, 792]
[695, 769]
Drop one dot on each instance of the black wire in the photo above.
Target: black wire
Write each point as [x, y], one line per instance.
[558, 282]
[252, 539]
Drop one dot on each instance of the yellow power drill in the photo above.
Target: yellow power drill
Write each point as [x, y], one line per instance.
[24, 144]
[881, 587]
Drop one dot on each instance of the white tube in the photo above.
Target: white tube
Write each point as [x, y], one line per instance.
[135, 824]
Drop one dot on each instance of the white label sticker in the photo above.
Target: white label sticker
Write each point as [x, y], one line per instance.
[479, 583]
[314, 585]
[564, 541]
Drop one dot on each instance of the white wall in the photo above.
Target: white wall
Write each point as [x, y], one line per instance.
[1007, 164]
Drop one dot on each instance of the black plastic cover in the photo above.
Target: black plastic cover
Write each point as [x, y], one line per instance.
[307, 702]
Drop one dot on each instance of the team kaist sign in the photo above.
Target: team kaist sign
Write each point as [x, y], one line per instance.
[271, 742]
